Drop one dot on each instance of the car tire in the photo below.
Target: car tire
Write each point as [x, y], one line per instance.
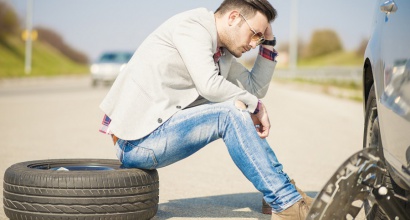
[371, 125]
[79, 189]
[372, 139]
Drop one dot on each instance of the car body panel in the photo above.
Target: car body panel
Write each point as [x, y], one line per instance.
[389, 53]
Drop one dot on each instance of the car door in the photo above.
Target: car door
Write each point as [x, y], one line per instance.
[394, 95]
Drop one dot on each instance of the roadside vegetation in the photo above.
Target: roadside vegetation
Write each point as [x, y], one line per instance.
[324, 50]
[46, 60]
[50, 55]
[338, 58]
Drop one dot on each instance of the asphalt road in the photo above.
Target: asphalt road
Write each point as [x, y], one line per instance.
[312, 134]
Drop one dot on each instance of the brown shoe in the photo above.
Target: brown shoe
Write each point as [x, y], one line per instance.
[267, 210]
[308, 199]
[297, 211]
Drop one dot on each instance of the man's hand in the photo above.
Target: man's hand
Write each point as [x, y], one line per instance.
[269, 36]
[268, 33]
[261, 122]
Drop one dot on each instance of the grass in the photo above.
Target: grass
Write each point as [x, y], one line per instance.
[46, 61]
[347, 89]
[341, 58]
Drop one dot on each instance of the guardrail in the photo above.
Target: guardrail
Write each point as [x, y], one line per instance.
[322, 74]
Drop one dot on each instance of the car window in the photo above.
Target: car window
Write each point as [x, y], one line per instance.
[115, 58]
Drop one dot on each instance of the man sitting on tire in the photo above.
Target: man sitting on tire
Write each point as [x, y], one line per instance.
[183, 89]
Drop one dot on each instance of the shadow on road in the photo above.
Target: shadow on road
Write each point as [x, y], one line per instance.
[234, 206]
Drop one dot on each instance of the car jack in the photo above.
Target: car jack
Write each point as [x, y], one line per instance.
[358, 184]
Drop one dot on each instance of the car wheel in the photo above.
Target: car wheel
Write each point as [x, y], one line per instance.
[371, 126]
[79, 189]
[343, 195]
[372, 139]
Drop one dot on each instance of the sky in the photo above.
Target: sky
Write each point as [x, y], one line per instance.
[96, 26]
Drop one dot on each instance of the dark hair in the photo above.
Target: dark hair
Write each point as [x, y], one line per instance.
[249, 8]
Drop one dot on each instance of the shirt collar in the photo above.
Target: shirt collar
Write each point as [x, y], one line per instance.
[219, 53]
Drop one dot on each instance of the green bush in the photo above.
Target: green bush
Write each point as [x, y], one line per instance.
[323, 42]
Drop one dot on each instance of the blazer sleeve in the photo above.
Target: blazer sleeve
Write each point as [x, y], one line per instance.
[257, 80]
[194, 43]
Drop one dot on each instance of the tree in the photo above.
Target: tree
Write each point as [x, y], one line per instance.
[362, 47]
[323, 42]
[9, 22]
[56, 41]
[301, 48]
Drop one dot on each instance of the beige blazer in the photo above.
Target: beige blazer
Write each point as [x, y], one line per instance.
[172, 68]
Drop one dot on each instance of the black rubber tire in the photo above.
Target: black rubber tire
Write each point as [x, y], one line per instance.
[33, 190]
[373, 139]
[371, 132]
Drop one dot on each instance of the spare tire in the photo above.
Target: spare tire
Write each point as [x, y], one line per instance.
[79, 189]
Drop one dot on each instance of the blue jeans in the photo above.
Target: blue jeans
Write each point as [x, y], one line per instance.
[191, 129]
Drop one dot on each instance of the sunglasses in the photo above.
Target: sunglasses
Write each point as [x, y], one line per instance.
[257, 37]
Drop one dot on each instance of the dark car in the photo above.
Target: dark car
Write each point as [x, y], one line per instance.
[386, 83]
[108, 66]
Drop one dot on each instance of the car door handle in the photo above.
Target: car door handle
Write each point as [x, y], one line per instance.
[388, 7]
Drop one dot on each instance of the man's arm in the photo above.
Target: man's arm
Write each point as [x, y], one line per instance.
[194, 45]
[258, 80]
[261, 118]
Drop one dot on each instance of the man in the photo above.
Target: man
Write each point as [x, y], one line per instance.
[183, 89]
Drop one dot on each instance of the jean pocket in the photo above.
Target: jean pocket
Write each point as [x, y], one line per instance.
[139, 157]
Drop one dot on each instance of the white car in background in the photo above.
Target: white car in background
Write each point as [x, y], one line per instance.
[108, 66]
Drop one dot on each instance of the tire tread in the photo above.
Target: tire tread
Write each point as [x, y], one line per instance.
[31, 193]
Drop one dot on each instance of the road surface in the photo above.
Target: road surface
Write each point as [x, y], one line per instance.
[312, 134]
